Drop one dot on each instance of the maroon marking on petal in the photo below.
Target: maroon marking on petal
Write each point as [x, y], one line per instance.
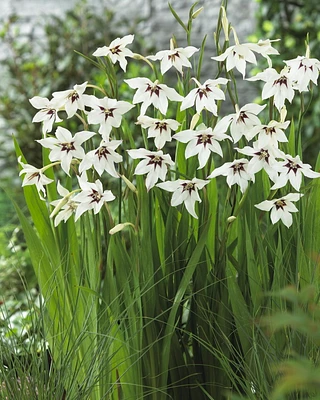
[281, 81]
[292, 166]
[67, 146]
[155, 161]
[96, 196]
[188, 186]
[102, 152]
[280, 204]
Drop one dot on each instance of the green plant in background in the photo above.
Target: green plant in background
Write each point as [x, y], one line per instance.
[294, 22]
[154, 287]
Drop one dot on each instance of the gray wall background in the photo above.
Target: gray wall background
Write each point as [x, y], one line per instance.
[159, 25]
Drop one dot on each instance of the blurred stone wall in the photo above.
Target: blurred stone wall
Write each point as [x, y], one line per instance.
[157, 21]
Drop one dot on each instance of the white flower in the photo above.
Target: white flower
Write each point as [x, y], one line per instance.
[237, 56]
[175, 57]
[92, 197]
[34, 176]
[152, 93]
[185, 191]
[106, 112]
[281, 208]
[265, 48]
[278, 85]
[271, 133]
[160, 129]
[236, 173]
[117, 51]
[242, 122]
[303, 70]
[154, 164]
[292, 169]
[64, 207]
[201, 141]
[205, 96]
[64, 147]
[71, 100]
[48, 113]
[263, 157]
[103, 158]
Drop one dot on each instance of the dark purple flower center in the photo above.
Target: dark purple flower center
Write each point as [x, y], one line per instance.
[280, 204]
[155, 161]
[188, 186]
[161, 126]
[67, 146]
[292, 166]
[281, 81]
[102, 152]
[238, 167]
[116, 50]
[204, 139]
[96, 196]
[153, 90]
[263, 155]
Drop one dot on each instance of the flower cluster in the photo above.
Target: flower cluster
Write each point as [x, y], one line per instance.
[93, 155]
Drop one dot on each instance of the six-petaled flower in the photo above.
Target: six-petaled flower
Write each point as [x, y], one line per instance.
[91, 197]
[159, 129]
[202, 142]
[117, 51]
[65, 147]
[281, 208]
[175, 57]
[71, 100]
[153, 163]
[155, 93]
[48, 113]
[292, 169]
[236, 173]
[185, 191]
[205, 95]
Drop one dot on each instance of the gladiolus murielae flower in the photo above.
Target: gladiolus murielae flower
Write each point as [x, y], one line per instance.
[71, 100]
[159, 129]
[91, 197]
[185, 191]
[48, 113]
[175, 57]
[205, 95]
[242, 122]
[236, 173]
[155, 93]
[153, 163]
[117, 51]
[34, 176]
[292, 169]
[280, 86]
[202, 142]
[281, 208]
[65, 147]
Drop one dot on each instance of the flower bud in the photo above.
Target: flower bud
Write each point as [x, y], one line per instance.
[194, 121]
[283, 114]
[129, 184]
[119, 227]
[196, 13]
[231, 219]
[225, 23]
